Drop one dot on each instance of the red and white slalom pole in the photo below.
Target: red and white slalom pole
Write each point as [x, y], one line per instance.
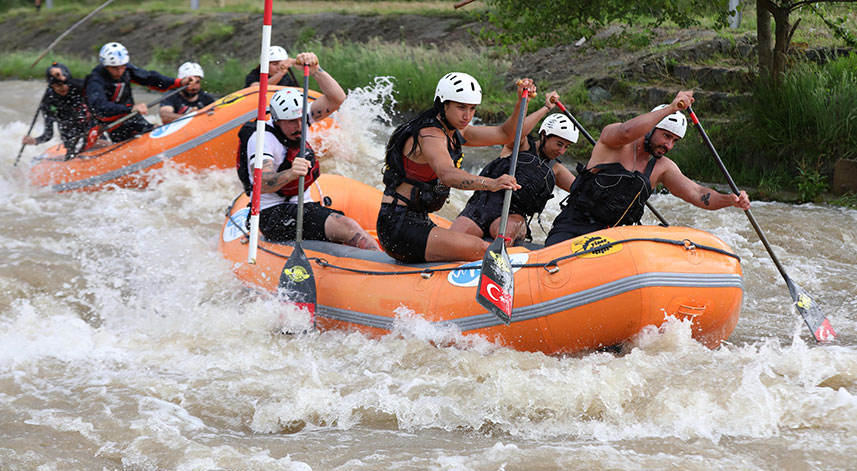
[260, 134]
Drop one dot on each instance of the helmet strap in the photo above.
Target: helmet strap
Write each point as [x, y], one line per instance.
[647, 142]
[543, 138]
[442, 111]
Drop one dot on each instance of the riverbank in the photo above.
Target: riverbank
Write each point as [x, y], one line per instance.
[614, 75]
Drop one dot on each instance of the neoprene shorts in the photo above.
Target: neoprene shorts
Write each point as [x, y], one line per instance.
[404, 234]
[279, 223]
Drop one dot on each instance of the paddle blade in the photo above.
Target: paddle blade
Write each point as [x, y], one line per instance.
[497, 283]
[297, 282]
[91, 137]
[811, 313]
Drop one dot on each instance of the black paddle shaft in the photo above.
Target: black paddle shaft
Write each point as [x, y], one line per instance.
[32, 123]
[507, 197]
[806, 305]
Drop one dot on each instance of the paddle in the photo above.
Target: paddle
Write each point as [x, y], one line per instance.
[69, 30]
[818, 324]
[497, 283]
[592, 141]
[33, 123]
[96, 131]
[297, 278]
[260, 133]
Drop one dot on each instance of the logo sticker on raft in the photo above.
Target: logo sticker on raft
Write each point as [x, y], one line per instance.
[467, 275]
[229, 99]
[167, 129]
[582, 244]
[235, 228]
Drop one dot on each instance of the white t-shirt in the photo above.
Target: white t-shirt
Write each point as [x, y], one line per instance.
[275, 151]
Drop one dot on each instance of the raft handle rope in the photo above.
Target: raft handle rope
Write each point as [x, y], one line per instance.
[551, 266]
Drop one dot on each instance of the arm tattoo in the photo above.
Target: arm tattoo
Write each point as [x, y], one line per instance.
[465, 184]
[705, 199]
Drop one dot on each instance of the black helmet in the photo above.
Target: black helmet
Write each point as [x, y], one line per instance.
[51, 79]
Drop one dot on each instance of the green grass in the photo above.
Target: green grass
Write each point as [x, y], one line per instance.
[416, 71]
[357, 7]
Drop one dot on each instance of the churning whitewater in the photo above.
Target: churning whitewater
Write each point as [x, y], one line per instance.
[126, 343]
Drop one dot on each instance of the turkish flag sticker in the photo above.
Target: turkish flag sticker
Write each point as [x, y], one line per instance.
[496, 295]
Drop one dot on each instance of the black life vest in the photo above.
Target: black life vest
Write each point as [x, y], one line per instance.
[426, 196]
[533, 172]
[612, 195]
[292, 150]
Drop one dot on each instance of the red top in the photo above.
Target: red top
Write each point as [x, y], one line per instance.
[419, 172]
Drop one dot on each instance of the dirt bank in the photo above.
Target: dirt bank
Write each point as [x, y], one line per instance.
[194, 34]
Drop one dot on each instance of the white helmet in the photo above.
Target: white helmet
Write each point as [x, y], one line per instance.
[675, 123]
[460, 87]
[287, 104]
[113, 54]
[190, 69]
[560, 126]
[276, 53]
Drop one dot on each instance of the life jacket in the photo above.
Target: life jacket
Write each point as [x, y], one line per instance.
[533, 172]
[292, 150]
[428, 194]
[610, 194]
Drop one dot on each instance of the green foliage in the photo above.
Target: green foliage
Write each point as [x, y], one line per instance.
[416, 70]
[810, 112]
[213, 31]
[554, 22]
[848, 200]
[306, 35]
[810, 182]
[16, 65]
[169, 55]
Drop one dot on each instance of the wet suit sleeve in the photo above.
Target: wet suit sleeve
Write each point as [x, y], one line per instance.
[152, 79]
[253, 76]
[99, 104]
[49, 125]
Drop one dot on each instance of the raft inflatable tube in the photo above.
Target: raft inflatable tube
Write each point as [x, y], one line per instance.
[594, 291]
[206, 139]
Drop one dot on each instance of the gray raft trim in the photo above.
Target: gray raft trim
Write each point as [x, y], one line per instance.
[543, 309]
[160, 157]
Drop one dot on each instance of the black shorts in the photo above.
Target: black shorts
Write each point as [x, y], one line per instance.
[483, 208]
[404, 234]
[569, 224]
[279, 223]
[134, 126]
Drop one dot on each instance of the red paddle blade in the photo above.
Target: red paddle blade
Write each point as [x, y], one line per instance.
[817, 322]
[91, 137]
[497, 283]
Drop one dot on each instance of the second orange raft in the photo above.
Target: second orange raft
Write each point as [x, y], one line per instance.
[597, 290]
[207, 139]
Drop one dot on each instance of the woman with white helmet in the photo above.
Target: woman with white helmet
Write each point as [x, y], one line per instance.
[538, 171]
[188, 100]
[108, 90]
[282, 167]
[279, 70]
[423, 161]
[627, 162]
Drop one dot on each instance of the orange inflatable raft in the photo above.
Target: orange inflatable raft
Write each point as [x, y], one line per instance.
[207, 139]
[597, 290]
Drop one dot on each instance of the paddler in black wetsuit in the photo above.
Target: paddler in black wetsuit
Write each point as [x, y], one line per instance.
[538, 171]
[423, 161]
[627, 163]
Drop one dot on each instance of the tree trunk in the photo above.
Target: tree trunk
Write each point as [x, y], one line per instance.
[763, 34]
[783, 38]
